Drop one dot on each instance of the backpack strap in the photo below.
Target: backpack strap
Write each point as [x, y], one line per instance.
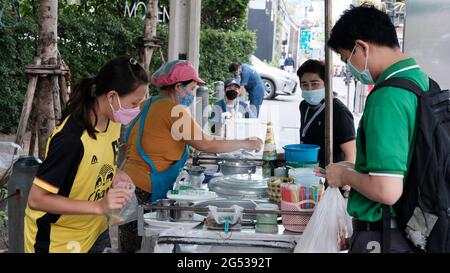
[399, 83]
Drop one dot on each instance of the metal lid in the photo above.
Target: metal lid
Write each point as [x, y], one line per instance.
[240, 185]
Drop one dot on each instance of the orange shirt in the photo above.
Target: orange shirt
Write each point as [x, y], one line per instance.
[167, 127]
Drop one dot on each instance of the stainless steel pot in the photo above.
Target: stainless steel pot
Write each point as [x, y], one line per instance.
[237, 167]
[240, 186]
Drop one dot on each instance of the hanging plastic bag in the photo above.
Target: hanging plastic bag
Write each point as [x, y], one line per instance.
[329, 228]
[129, 212]
[9, 154]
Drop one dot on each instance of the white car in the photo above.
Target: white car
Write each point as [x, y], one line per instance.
[276, 81]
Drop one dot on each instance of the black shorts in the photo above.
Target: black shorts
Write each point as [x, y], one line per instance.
[367, 239]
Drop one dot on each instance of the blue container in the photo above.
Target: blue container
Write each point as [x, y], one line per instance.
[301, 152]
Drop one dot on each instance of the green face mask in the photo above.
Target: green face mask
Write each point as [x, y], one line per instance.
[364, 76]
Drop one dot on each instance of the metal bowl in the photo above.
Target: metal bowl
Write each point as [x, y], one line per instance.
[237, 167]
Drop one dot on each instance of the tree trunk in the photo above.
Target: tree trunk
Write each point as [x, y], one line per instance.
[151, 22]
[47, 50]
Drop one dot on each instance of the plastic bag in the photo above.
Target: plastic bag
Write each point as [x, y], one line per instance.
[9, 154]
[218, 220]
[129, 212]
[329, 227]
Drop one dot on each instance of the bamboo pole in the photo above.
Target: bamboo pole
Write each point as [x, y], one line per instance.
[328, 87]
[56, 97]
[26, 109]
[33, 132]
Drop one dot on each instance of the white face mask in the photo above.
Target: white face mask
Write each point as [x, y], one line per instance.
[314, 97]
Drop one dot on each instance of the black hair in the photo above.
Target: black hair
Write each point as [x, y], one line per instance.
[233, 67]
[365, 23]
[312, 66]
[172, 86]
[122, 74]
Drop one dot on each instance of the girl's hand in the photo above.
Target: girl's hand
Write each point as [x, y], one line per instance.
[114, 199]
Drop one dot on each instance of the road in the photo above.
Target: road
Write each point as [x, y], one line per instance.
[284, 113]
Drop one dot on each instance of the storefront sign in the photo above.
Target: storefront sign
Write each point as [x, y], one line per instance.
[140, 9]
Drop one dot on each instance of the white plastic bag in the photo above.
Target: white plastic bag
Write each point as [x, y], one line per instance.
[129, 212]
[329, 227]
[9, 153]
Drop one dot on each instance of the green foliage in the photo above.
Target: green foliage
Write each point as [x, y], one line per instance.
[17, 41]
[86, 42]
[228, 47]
[224, 14]
[96, 31]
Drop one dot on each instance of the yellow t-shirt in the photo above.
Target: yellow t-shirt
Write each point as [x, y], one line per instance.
[80, 168]
[167, 127]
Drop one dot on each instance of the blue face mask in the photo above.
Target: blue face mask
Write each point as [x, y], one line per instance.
[364, 76]
[186, 100]
[314, 97]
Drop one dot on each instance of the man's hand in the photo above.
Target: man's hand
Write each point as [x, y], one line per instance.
[334, 173]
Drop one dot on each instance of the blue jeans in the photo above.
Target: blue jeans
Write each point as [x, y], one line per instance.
[256, 102]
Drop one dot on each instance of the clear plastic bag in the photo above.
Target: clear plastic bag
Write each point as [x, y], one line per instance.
[9, 154]
[217, 220]
[129, 212]
[330, 226]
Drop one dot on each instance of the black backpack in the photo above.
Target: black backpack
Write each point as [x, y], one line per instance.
[423, 210]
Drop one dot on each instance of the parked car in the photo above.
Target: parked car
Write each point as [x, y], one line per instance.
[276, 81]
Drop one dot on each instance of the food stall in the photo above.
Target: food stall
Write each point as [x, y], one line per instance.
[235, 188]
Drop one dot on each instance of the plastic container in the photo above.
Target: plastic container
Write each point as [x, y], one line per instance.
[266, 223]
[305, 164]
[274, 184]
[304, 176]
[301, 152]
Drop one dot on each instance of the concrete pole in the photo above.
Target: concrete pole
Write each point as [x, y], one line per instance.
[184, 30]
[19, 185]
[194, 32]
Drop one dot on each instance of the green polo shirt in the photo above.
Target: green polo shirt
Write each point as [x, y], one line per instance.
[388, 120]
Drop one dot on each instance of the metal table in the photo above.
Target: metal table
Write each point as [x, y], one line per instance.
[202, 240]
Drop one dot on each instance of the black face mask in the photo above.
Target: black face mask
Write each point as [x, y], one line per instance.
[231, 95]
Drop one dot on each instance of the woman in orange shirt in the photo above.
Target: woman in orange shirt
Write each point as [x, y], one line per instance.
[158, 140]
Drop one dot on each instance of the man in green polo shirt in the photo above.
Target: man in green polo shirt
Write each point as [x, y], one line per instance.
[366, 40]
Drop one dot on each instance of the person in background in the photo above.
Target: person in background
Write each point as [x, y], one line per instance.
[289, 64]
[158, 140]
[231, 106]
[311, 75]
[281, 63]
[252, 82]
[367, 42]
[71, 194]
